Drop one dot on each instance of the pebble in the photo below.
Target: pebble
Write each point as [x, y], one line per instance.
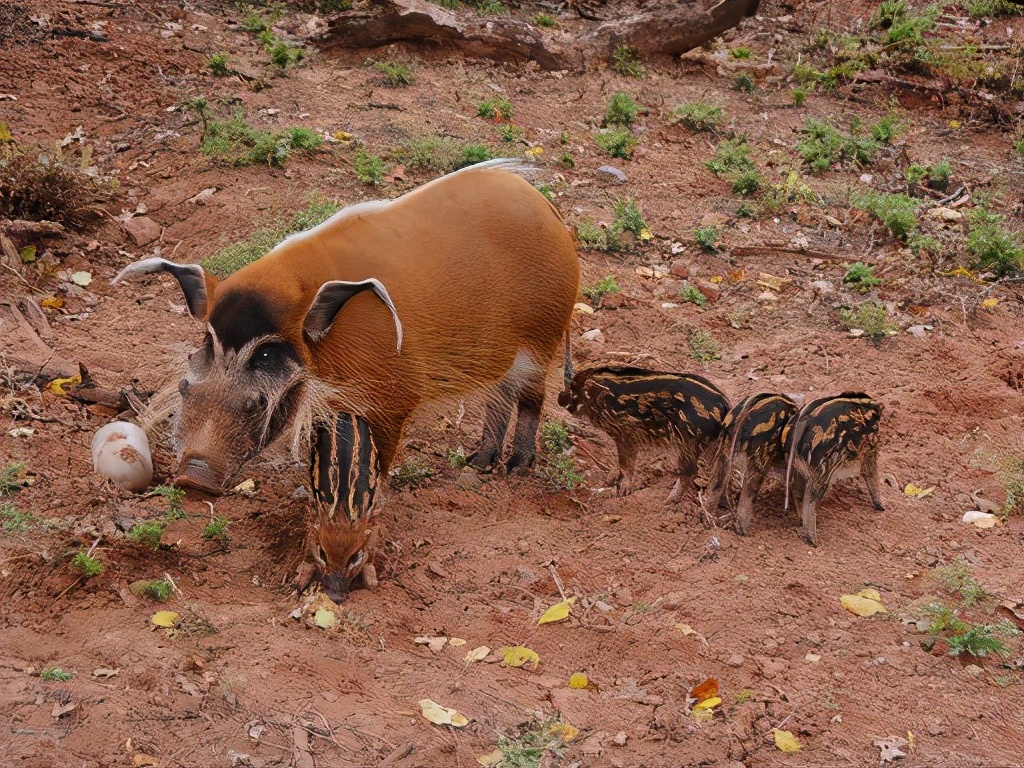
[620, 739]
[142, 229]
[679, 268]
[812, 658]
[735, 660]
[974, 670]
[593, 334]
[468, 480]
[610, 170]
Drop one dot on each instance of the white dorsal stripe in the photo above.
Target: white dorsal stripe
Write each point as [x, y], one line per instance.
[511, 164]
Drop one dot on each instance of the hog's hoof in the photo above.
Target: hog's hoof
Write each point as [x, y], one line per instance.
[879, 506]
[810, 538]
[305, 575]
[484, 460]
[370, 577]
[519, 463]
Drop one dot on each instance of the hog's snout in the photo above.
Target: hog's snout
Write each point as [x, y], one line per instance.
[335, 585]
[199, 475]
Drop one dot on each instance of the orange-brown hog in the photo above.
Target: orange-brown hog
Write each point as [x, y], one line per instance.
[465, 282]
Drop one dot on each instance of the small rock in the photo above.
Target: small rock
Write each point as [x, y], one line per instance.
[612, 171]
[801, 241]
[865, 178]
[200, 198]
[710, 290]
[833, 221]
[679, 268]
[594, 334]
[592, 746]
[812, 658]
[920, 331]
[974, 670]
[669, 305]
[936, 729]
[822, 287]
[645, 271]
[142, 229]
[620, 738]
[735, 660]
[125, 524]
[468, 480]
[944, 214]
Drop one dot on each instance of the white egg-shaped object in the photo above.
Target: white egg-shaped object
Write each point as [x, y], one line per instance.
[120, 451]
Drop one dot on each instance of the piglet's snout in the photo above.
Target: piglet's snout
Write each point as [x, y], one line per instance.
[197, 474]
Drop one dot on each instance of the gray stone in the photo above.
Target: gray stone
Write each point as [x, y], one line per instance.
[142, 230]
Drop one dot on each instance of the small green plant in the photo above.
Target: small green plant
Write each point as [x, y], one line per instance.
[533, 745]
[218, 65]
[557, 466]
[155, 589]
[747, 183]
[692, 294]
[979, 9]
[861, 276]
[824, 146]
[907, 32]
[698, 116]
[512, 134]
[567, 160]
[741, 52]
[956, 577]
[628, 217]
[9, 483]
[898, 212]
[237, 143]
[1018, 144]
[284, 54]
[744, 82]
[889, 12]
[174, 497]
[547, 190]
[792, 190]
[869, 317]
[217, 529]
[148, 534]
[86, 564]
[395, 73]
[545, 20]
[915, 174]
[475, 153]
[992, 246]
[53, 674]
[622, 110]
[411, 473]
[456, 458]
[980, 640]
[703, 347]
[13, 519]
[886, 129]
[626, 61]
[592, 237]
[746, 210]
[368, 167]
[604, 286]
[731, 159]
[707, 238]
[619, 142]
[495, 108]
[1012, 476]
[799, 96]
[237, 255]
[489, 8]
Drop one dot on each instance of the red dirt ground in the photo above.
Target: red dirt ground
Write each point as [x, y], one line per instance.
[478, 562]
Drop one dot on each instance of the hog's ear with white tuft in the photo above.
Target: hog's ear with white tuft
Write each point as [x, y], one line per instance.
[196, 285]
[332, 297]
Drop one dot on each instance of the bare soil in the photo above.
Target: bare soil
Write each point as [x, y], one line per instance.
[240, 682]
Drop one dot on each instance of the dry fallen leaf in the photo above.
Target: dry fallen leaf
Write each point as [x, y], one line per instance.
[81, 278]
[57, 385]
[163, 619]
[477, 654]
[141, 759]
[491, 758]
[557, 612]
[52, 302]
[439, 715]
[711, 703]
[565, 731]
[980, 519]
[865, 603]
[706, 690]
[456, 642]
[645, 234]
[891, 748]
[103, 672]
[534, 151]
[786, 741]
[433, 643]
[325, 618]
[917, 491]
[518, 656]
[987, 304]
[586, 309]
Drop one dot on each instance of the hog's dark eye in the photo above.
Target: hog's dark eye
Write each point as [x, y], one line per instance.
[272, 357]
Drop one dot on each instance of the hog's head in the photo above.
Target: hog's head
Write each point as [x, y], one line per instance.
[249, 382]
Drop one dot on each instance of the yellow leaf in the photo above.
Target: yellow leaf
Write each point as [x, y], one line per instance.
[565, 731]
[81, 278]
[343, 136]
[5, 133]
[325, 618]
[52, 302]
[786, 741]
[163, 619]
[717, 279]
[519, 655]
[578, 680]
[910, 740]
[862, 606]
[954, 124]
[586, 309]
[557, 612]
[702, 716]
[989, 303]
[870, 594]
[491, 758]
[57, 385]
[28, 255]
[917, 491]
[477, 654]
[535, 151]
[439, 715]
[714, 701]
[645, 234]
[686, 629]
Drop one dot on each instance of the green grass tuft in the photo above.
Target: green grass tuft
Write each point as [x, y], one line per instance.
[898, 212]
[155, 589]
[86, 564]
[994, 247]
[9, 483]
[690, 293]
[604, 287]
[14, 520]
[557, 467]
[495, 108]
[217, 529]
[707, 238]
[619, 142]
[870, 317]
[622, 110]
[698, 116]
[148, 533]
[395, 73]
[626, 61]
[545, 20]
[237, 143]
[861, 277]
[218, 65]
[703, 347]
[53, 674]
[368, 167]
[411, 473]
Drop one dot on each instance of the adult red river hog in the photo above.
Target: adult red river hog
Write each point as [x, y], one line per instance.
[464, 282]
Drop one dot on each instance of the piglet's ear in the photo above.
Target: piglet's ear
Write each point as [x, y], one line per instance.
[196, 285]
[332, 297]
